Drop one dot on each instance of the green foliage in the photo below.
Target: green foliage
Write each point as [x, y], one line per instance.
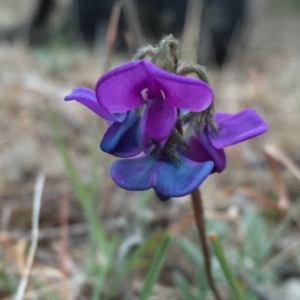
[105, 247]
[248, 259]
[7, 281]
[155, 268]
[219, 253]
[184, 287]
[141, 257]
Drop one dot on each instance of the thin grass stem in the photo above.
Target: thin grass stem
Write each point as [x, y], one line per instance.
[216, 245]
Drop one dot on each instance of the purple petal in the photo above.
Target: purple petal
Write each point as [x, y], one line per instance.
[87, 97]
[123, 139]
[201, 150]
[177, 179]
[180, 91]
[158, 121]
[237, 128]
[219, 117]
[134, 174]
[119, 90]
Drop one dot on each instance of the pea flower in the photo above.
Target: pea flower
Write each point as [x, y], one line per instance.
[140, 83]
[147, 106]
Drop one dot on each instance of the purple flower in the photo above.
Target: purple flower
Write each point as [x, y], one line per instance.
[168, 177]
[123, 137]
[140, 83]
[233, 129]
[141, 103]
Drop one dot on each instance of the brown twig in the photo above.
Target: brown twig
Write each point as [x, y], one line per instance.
[272, 159]
[281, 157]
[200, 223]
[264, 201]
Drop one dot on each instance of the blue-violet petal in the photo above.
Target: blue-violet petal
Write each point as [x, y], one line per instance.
[123, 139]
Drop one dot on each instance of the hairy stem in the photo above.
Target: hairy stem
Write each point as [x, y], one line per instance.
[200, 223]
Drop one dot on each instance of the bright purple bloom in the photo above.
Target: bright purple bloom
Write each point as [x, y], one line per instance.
[233, 129]
[140, 83]
[141, 103]
[169, 178]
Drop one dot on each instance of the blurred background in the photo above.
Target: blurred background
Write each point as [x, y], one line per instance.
[97, 241]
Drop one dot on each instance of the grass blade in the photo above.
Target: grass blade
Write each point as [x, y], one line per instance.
[82, 194]
[85, 199]
[225, 266]
[155, 268]
[183, 287]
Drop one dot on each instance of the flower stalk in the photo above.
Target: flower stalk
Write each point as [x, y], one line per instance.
[200, 224]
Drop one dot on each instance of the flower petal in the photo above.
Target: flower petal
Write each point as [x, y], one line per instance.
[181, 91]
[119, 90]
[123, 139]
[237, 128]
[219, 117]
[201, 150]
[87, 97]
[158, 121]
[134, 174]
[176, 179]
[167, 178]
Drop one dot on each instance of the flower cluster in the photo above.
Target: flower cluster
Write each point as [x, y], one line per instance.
[147, 104]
